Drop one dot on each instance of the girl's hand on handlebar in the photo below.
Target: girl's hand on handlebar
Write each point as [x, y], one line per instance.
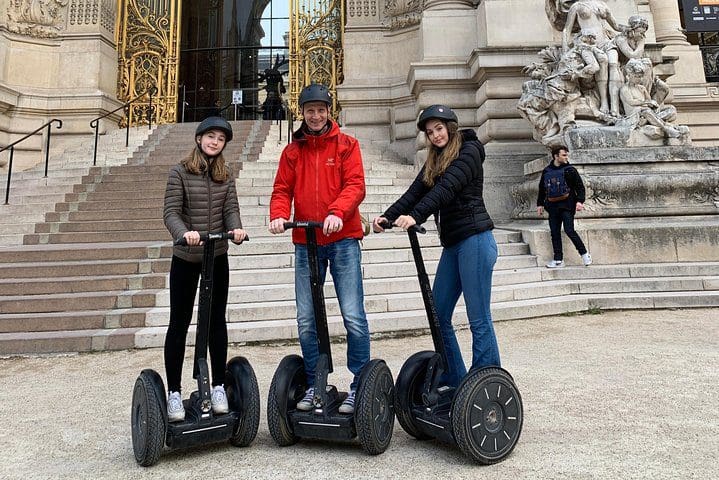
[239, 235]
[192, 238]
[405, 222]
[277, 225]
[377, 224]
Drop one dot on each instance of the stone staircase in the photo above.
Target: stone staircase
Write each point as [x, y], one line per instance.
[32, 194]
[93, 274]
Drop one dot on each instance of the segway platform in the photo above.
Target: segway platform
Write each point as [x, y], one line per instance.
[483, 416]
[151, 429]
[373, 419]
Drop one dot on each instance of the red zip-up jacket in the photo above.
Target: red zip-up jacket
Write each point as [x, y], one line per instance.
[323, 175]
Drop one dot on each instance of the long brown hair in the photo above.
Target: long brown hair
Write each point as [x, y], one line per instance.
[196, 162]
[439, 159]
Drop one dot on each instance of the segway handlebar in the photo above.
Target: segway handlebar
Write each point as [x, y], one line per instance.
[182, 242]
[415, 228]
[303, 224]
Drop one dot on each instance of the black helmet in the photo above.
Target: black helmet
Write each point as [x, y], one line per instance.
[315, 92]
[440, 112]
[215, 123]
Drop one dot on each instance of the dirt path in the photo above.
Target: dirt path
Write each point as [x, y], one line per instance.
[615, 395]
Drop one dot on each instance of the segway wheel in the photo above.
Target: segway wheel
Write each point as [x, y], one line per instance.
[487, 415]
[409, 392]
[148, 419]
[287, 388]
[243, 396]
[374, 408]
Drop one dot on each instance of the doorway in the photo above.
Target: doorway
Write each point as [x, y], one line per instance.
[234, 59]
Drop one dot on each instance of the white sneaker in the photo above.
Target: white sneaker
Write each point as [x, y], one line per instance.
[175, 409]
[348, 406]
[219, 400]
[555, 264]
[308, 402]
[587, 259]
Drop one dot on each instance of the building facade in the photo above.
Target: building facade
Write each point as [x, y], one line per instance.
[68, 59]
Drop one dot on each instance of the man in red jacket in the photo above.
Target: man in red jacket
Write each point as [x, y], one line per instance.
[322, 172]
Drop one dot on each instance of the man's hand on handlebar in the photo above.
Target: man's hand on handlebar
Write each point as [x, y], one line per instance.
[278, 225]
[332, 224]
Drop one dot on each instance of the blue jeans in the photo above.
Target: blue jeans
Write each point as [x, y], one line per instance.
[467, 268]
[344, 258]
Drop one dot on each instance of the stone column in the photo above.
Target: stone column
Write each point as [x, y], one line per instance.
[667, 24]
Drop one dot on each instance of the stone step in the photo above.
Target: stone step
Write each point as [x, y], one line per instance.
[93, 300]
[279, 301]
[76, 268]
[100, 283]
[85, 252]
[100, 215]
[273, 330]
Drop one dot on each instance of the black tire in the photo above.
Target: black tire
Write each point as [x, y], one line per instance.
[487, 415]
[408, 392]
[374, 407]
[243, 396]
[287, 388]
[149, 418]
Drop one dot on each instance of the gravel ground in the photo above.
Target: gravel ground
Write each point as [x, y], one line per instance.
[612, 395]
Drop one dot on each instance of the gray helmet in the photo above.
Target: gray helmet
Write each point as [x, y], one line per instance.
[215, 123]
[440, 112]
[315, 92]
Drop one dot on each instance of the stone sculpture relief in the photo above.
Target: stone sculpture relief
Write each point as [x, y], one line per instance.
[599, 77]
[37, 18]
[403, 13]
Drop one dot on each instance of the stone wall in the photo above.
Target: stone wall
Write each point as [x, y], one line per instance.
[401, 57]
[58, 61]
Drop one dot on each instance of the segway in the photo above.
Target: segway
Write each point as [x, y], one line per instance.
[150, 427]
[483, 416]
[373, 418]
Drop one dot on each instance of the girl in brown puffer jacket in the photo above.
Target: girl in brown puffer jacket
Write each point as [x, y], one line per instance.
[200, 198]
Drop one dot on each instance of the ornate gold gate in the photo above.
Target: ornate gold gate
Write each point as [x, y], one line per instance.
[316, 47]
[148, 46]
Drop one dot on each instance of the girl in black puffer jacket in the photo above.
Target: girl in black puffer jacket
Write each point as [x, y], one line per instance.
[450, 187]
[200, 198]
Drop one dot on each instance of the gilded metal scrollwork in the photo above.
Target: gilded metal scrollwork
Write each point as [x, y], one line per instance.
[316, 47]
[148, 51]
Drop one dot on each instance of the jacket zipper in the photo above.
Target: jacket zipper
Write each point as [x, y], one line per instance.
[209, 204]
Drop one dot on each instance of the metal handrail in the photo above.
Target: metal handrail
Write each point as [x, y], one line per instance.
[95, 122]
[48, 125]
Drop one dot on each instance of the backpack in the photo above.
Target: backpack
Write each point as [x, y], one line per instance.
[556, 185]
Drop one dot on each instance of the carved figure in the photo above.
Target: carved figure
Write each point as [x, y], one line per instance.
[39, 18]
[583, 78]
[630, 41]
[594, 16]
[560, 89]
[644, 113]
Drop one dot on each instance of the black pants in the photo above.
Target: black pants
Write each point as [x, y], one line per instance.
[184, 277]
[557, 217]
